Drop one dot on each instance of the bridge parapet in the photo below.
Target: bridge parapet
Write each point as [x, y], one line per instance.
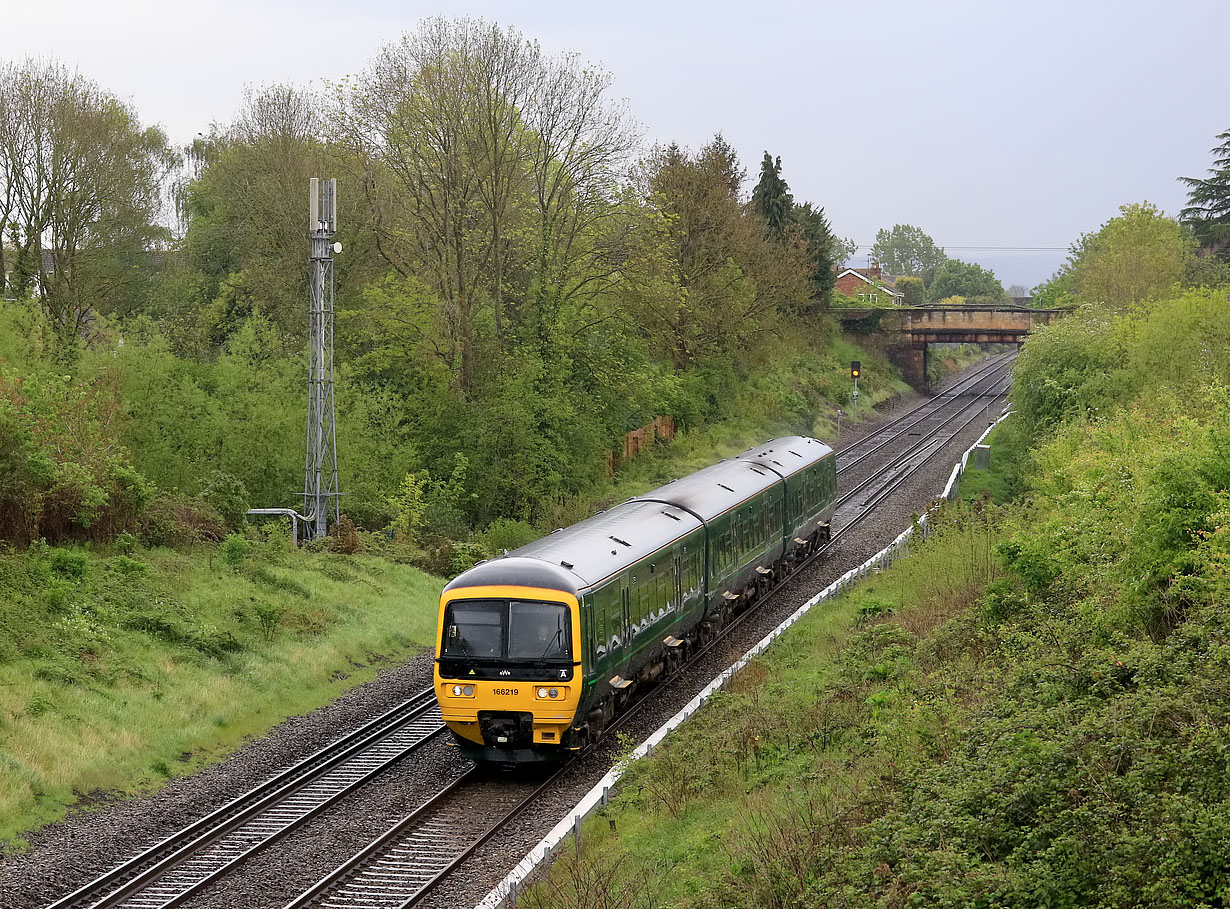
[904, 332]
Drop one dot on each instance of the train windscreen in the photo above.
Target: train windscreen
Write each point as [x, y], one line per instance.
[517, 631]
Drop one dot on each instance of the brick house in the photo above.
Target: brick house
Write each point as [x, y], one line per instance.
[869, 285]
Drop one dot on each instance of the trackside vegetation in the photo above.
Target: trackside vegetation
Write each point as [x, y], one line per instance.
[1030, 710]
[122, 667]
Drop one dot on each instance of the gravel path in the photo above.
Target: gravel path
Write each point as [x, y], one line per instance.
[68, 854]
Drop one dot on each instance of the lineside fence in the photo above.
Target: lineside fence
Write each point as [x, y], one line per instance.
[505, 893]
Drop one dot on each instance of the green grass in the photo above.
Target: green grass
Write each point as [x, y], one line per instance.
[1003, 480]
[715, 816]
[117, 672]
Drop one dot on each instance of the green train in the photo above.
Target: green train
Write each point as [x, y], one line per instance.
[539, 649]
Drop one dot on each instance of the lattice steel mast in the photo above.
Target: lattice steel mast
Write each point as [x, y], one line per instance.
[320, 492]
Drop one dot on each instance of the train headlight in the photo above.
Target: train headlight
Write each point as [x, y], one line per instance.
[457, 691]
[463, 691]
[553, 693]
[542, 692]
[468, 691]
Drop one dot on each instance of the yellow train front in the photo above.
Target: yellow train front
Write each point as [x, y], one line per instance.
[506, 676]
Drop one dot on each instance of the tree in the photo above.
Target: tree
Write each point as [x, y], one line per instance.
[965, 279]
[914, 292]
[83, 191]
[771, 198]
[246, 235]
[1208, 201]
[489, 170]
[790, 223]
[728, 280]
[906, 250]
[1134, 257]
[823, 250]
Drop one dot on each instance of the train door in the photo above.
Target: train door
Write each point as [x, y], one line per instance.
[677, 590]
[626, 605]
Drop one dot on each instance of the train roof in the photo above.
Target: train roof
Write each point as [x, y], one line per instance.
[787, 455]
[578, 557]
[709, 492]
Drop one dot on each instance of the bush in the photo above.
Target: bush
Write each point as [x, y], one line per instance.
[63, 474]
[172, 519]
[344, 537]
[228, 496]
[234, 550]
[506, 534]
[68, 563]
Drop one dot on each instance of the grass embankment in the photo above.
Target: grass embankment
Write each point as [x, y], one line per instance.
[1033, 709]
[1003, 480]
[119, 671]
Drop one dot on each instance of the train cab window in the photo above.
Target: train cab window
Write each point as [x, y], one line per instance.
[509, 630]
[475, 629]
[538, 631]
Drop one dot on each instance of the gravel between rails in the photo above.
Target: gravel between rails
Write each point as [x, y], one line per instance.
[67, 854]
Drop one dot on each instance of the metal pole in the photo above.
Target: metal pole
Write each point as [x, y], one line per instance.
[320, 478]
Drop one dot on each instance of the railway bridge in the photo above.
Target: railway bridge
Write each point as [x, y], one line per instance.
[905, 333]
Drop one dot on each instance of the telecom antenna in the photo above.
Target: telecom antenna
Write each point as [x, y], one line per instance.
[320, 492]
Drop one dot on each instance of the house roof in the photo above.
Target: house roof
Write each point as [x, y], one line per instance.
[883, 284]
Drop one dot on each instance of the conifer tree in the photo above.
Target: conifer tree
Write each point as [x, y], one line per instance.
[1208, 208]
[772, 198]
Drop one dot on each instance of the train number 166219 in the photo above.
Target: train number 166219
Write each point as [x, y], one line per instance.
[504, 691]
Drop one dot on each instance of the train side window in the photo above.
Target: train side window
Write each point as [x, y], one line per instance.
[643, 599]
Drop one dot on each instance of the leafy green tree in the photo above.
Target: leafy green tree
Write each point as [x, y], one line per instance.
[729, 281]
[246, 232]
[906, 250]
[81, 190]
[965, 279]
[1208, 200]
[1136, 256]
[772, 198]
[913, 290]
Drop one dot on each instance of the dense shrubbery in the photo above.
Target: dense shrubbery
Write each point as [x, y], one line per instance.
[1032, 710]
[63, 472]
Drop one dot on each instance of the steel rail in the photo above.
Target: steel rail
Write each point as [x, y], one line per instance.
[978, 404]
[166, 873]
[937, 404]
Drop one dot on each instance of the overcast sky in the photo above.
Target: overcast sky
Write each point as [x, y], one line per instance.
[985, 123]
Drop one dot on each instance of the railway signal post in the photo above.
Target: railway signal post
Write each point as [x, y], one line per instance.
[856, 369]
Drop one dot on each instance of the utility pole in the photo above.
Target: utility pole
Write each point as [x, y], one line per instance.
[320, 492]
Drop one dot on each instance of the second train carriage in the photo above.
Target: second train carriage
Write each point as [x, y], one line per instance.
[538, 649]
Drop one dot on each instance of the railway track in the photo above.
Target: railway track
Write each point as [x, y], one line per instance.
[858, 452]
[178, 867]
[404, 865]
